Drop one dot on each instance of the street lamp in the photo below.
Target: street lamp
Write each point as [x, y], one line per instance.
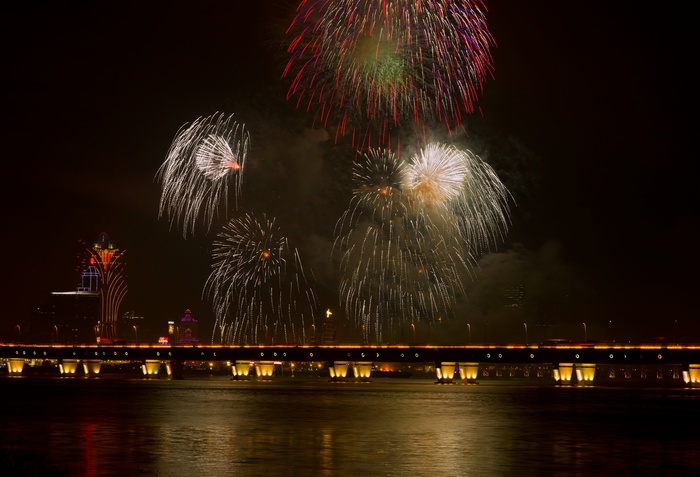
[414, 333]
[585, 332]
[525, 325]
[469, 329]
[136, 335]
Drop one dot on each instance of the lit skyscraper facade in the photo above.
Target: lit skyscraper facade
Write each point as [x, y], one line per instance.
[108, 262]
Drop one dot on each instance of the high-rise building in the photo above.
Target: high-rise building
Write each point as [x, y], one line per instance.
[107, 261]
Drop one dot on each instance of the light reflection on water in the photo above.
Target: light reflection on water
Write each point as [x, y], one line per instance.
[118, 425]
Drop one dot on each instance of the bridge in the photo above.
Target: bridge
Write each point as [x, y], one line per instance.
[569, 361]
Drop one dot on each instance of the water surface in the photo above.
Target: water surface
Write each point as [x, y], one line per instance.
[212, 426]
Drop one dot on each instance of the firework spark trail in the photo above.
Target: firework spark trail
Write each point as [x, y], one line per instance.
[258, 286]
[447, 180]
[391, 281]
[397, 266]
[379, 179]
[412, 234]
[366, 62]
[203, 159]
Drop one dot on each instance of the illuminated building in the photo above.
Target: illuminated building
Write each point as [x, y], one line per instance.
[184, 332]
[106, 259]
[329, 330]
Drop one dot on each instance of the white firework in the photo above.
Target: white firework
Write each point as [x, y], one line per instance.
[204, 160]
[215, 158]
[455, 183]
[258, 286]
[413, 233]
[437, 174]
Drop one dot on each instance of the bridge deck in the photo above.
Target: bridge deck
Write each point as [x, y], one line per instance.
[576, 353]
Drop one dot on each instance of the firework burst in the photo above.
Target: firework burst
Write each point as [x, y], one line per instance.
[366, 63]
[412, 233]
[379, 177]
[258, 287]
[203, 160]
[446, 181]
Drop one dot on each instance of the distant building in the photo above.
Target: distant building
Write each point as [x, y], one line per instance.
[66, 317]
[132, 328]
[329, 330]
[514, 296]
[184, 331]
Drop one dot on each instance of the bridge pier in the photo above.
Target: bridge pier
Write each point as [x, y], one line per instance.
[264, 369]
[445, 372]
[692, 375]
[175, 369]
[362, 370]
[338, 370]
[68, 366]
[92, 366]
[585, 373]
[563, 373]
[151, 367]
[241, 369]
[15, 366]
[469, 372]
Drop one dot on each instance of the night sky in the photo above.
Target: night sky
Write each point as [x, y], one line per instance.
[588, 121]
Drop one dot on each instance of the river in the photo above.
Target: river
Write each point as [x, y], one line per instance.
[124, 425]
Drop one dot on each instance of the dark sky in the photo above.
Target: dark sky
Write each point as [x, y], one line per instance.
[588, 121]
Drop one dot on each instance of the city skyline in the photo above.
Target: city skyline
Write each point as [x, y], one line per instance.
[584, 121]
